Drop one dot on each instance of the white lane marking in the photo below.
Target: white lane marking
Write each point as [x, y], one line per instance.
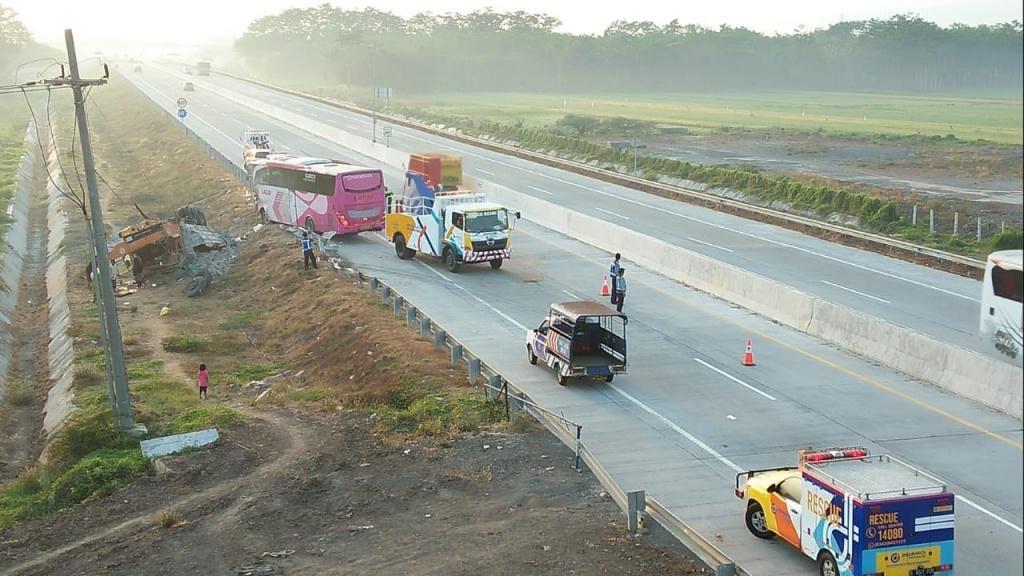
[541, 190]
[473, 296]
[691, 218]
[485, 172]
[713, 225]
[675, 427]
[734, 379]
[611, 213]
[855, 292]
[571, 295]
[692, 239]
[195, 116]
[679, 430]
[992, 515]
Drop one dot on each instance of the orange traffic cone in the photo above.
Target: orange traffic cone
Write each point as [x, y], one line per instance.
[748, 356]
[605, 291]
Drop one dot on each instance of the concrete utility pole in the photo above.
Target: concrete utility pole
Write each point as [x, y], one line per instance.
[102, 273]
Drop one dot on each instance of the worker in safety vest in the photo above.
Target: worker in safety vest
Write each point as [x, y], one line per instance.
[307, 251]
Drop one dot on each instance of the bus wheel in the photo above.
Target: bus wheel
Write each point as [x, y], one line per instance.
[530, 355]
[401, 250]
[757, 523]
[310, 227]
[827, 565]
[496, 264]
[450, 260]
[263, 216]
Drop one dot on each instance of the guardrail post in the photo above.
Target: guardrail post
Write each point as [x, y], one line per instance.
[385, 293]
[456, 355]
[474, 370]
[396, 305]
[579, 445]
[373, 286]
[636, 503]
[424, 328]
[410, 317]
[439, 339]
[725, 570]
[492, 383]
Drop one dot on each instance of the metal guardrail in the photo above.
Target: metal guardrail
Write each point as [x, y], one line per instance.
[565, 429]
[879, 243]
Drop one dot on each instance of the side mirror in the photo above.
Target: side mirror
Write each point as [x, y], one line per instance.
[518, 215]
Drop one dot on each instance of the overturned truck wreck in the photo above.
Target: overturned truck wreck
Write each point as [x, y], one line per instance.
[164, 245]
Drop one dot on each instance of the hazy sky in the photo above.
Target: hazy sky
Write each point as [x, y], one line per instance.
[196, 21]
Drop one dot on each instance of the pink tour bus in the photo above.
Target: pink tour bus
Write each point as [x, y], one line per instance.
[322, 196]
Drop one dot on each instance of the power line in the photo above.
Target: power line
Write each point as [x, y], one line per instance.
[53, 138]
[39, 141]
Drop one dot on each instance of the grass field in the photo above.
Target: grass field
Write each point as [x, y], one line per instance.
[995, 117]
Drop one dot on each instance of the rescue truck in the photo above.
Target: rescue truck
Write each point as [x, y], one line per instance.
[855, 514]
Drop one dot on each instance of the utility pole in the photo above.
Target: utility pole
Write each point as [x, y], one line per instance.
[116, 370]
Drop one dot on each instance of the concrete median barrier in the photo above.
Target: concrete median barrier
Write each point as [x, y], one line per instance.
[982, 379]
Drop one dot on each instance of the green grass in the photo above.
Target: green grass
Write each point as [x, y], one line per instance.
[240, 321]
[422, 409]
[91, 458]
[996, 118]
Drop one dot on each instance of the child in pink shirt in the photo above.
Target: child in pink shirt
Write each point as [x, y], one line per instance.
[203, 378]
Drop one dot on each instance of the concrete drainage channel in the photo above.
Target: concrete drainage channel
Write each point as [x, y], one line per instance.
[636, 505]
[61, 354]
[16, 242]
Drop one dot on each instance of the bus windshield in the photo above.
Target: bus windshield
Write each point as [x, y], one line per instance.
[487, 221]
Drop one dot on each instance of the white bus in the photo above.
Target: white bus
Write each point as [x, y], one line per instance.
[1002, 313]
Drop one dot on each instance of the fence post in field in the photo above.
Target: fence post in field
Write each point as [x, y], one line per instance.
[913, 218]
[931, 220]
[956, 223]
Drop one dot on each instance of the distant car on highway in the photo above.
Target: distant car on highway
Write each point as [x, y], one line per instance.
[188, 70]
[138, 68]
[189, 87]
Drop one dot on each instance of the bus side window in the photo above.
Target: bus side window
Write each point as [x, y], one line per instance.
[1008, 284]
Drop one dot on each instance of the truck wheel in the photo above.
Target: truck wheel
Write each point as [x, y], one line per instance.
[562, 378]
[310, 227]
[757, 523]
[530, 355]
[450, 260]
[827, 565]
[609, 378]
[496, 264]
[401, 250]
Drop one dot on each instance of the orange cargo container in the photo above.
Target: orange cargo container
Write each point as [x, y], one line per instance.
[437, 169]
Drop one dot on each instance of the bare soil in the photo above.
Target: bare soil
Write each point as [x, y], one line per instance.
[320, 486]
[986, 177]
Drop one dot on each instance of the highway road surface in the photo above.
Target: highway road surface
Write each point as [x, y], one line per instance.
[687, 417]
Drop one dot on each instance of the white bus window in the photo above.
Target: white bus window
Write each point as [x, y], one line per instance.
[1008, 283]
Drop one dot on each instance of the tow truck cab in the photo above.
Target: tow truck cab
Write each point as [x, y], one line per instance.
[853, 513]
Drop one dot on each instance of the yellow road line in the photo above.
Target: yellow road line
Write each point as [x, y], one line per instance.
[807, 353]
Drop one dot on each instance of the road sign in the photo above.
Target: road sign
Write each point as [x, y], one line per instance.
[182, 113]
[182, 102]
[387, 130]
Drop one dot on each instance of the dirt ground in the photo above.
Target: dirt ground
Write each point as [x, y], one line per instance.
[310, 482]
[986, 177]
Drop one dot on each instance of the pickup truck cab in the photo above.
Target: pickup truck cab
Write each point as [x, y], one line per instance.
[853, 513]
[580, 339]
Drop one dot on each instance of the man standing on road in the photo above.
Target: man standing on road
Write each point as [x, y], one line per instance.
[307, 251]
[137, 270]
[613, 271]
[619, 289]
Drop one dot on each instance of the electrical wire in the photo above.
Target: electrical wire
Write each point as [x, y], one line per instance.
[111, 188]
[53, 139]
[74, 129]
[42, 151]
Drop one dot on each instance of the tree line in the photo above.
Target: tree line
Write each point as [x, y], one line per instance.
[487, 50]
